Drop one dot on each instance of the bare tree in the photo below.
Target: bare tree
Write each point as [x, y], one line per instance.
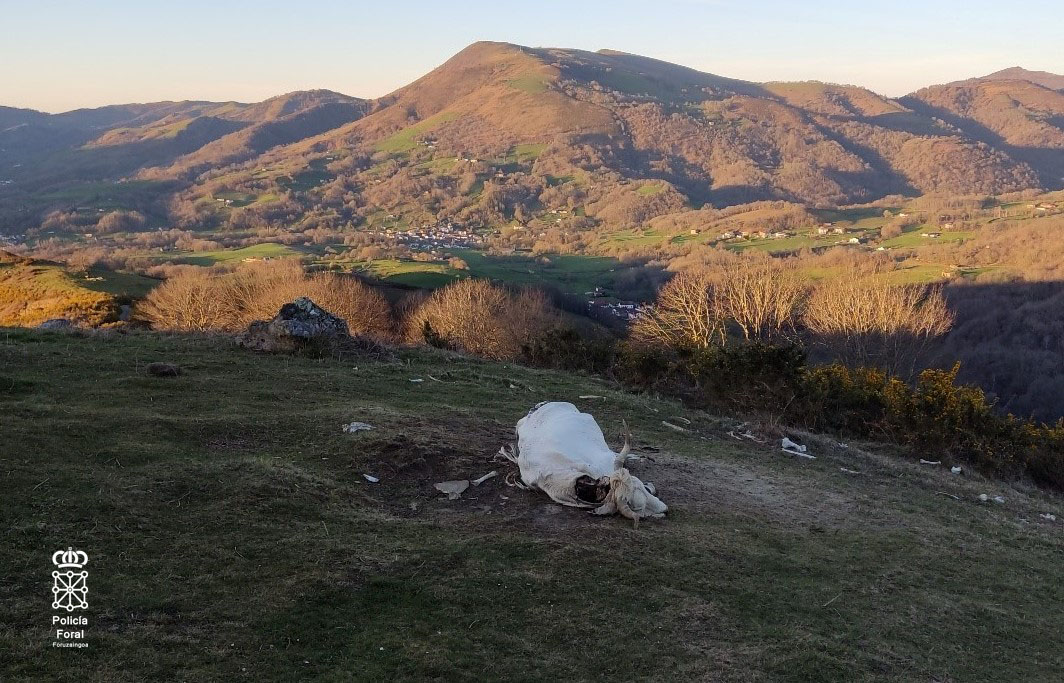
[863, 321]
[481, 318]
[762, 300]
[685, 314]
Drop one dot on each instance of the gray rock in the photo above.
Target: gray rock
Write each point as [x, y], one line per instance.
[164, 369]
[56, 324]
[299, 325]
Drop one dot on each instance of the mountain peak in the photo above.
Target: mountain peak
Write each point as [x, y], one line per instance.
[1045, 79]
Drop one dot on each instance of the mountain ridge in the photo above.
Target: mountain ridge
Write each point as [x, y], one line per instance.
[500, 131]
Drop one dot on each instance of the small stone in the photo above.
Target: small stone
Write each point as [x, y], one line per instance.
[164, 369]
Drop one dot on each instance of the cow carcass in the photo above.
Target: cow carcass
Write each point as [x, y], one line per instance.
[563, 453]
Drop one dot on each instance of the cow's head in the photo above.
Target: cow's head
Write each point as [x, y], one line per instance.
[630, 497]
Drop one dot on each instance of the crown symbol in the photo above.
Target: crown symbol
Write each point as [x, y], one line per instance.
[70, 558]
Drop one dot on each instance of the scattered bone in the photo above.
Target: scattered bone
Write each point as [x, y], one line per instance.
[357, 427]
[453, 489]
[1048, 517]
[930, 462]
[681, 419]
[417, 380]
[985, 498]
[434, 379]
[955, 469]
[745, 434]
[592, 396]
[943, 493]
[371, 479]
[999, 499]
[849, 471]
[481, 480]
[672, 426]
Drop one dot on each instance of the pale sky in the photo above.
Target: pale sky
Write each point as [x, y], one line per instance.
[64, 54]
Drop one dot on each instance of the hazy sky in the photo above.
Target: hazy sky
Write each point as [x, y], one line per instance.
[62, 55]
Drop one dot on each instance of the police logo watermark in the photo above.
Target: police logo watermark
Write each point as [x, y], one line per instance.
[70, 591]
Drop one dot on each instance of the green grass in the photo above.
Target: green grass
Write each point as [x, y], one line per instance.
[637, 237]
[232, 536]
[412, 273]
[529, 151]
[532, 84]
[440, 165]
[650, 189]
[570, 273]
[118, 283]
[406, 139]
[256, 251]
[784, 244]
[912, 238]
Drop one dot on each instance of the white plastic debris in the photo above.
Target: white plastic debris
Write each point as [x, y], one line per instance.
[955, 469]
[930, 462]
[371, 479]
[357, 427]
[453, 489]
[792, 448]
[1049, 517]
[480, 480]
[999, 499]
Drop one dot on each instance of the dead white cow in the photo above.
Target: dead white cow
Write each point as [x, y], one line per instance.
[562, 452]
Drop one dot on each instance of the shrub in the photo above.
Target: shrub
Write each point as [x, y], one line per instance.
[202, 300]
[481, 318]
[935, 418]
[566, 349]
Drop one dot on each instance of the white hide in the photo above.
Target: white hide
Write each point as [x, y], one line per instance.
[557, 444]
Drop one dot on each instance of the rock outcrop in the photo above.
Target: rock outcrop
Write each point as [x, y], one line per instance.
[299, 325]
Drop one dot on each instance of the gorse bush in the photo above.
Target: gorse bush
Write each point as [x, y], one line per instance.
[934, 418]
[564, 348]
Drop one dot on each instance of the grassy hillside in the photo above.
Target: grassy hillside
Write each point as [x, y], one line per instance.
[232, 535]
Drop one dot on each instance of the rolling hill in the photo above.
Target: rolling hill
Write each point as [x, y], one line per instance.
[1016, 73]
[109, 143]
[1018, 116]
[500, 133]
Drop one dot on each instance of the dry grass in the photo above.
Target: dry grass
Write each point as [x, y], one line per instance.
[204, 300]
